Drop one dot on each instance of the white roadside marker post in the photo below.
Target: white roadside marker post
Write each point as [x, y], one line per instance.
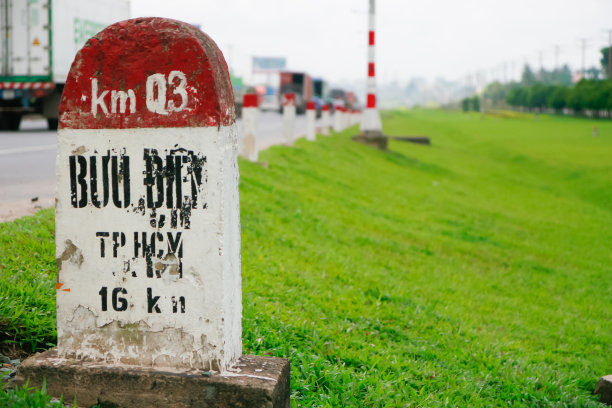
[148, 229]
[338, 119]
[311, 117]
[289, 118]
[325, 120]
[250, 111]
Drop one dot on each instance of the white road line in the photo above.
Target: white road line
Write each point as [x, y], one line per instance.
[27, 149]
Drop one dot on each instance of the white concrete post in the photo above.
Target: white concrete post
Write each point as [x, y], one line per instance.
[370, 122]
[147, 212]
[325, 120]
[250, 111]
[338, 120]
[289, 118]
[311, 117]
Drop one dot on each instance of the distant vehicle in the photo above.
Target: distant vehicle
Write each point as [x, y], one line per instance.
[270, 103]
[320, 90]
[38, 42]
[338, 103]
[351, 100]
[298, 83]
[268, 99]
[338, 98]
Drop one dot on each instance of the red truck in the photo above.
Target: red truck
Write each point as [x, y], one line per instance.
[298, 83]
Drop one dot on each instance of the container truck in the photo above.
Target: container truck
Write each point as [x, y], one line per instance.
[320, 94]
[38, 41]
[298, 83]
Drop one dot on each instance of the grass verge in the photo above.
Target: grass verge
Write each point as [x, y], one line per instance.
[473, 272]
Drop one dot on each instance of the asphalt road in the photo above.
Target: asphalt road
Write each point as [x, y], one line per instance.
[27, 157]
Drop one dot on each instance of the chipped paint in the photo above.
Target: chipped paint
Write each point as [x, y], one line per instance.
[147, 211]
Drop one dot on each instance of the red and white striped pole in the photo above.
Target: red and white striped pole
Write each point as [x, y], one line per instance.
[370, 122]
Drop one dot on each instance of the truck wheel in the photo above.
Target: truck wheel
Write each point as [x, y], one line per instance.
[52, 123]
[11, 121]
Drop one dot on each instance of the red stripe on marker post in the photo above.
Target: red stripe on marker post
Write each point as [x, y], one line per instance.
[310, 106]
[325, 108]
[250, 101]
[150, 77]
[371, 40]
[371, 69]
[289, 99]
[371, 101]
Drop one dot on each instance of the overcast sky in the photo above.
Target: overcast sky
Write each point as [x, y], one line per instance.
[426, 38]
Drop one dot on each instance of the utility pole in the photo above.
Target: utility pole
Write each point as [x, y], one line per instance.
[370, 123]
[371, 126]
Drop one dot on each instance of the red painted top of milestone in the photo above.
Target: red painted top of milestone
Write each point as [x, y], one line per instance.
[249, 101]
[147, 73]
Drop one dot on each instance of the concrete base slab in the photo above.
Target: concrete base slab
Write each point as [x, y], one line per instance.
[373, 139]
[413, 139]
[604, 389]
[254, 381]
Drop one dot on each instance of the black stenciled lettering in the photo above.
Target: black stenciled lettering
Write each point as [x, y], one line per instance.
[120, 304]
[118, 240]
[78, 200]
[175, 304]
[124, 172]
[105, 183]
[152, 302]
[102, 235]
[103, 292]
[154, 170]
[173, 219]
[85, 174]
[171, 180]
[175, 245]
[179, 180]
[93, 181]
[196, 170]
[147, 250]
[153, 218]
[73, 181]
[185, 214]
[115, 181]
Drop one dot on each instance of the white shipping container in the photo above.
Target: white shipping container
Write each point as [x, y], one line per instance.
[38, 42]
[24, 38]
[27, 27]
[74, 22]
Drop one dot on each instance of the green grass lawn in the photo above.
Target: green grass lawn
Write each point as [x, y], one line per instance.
[473, 272]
